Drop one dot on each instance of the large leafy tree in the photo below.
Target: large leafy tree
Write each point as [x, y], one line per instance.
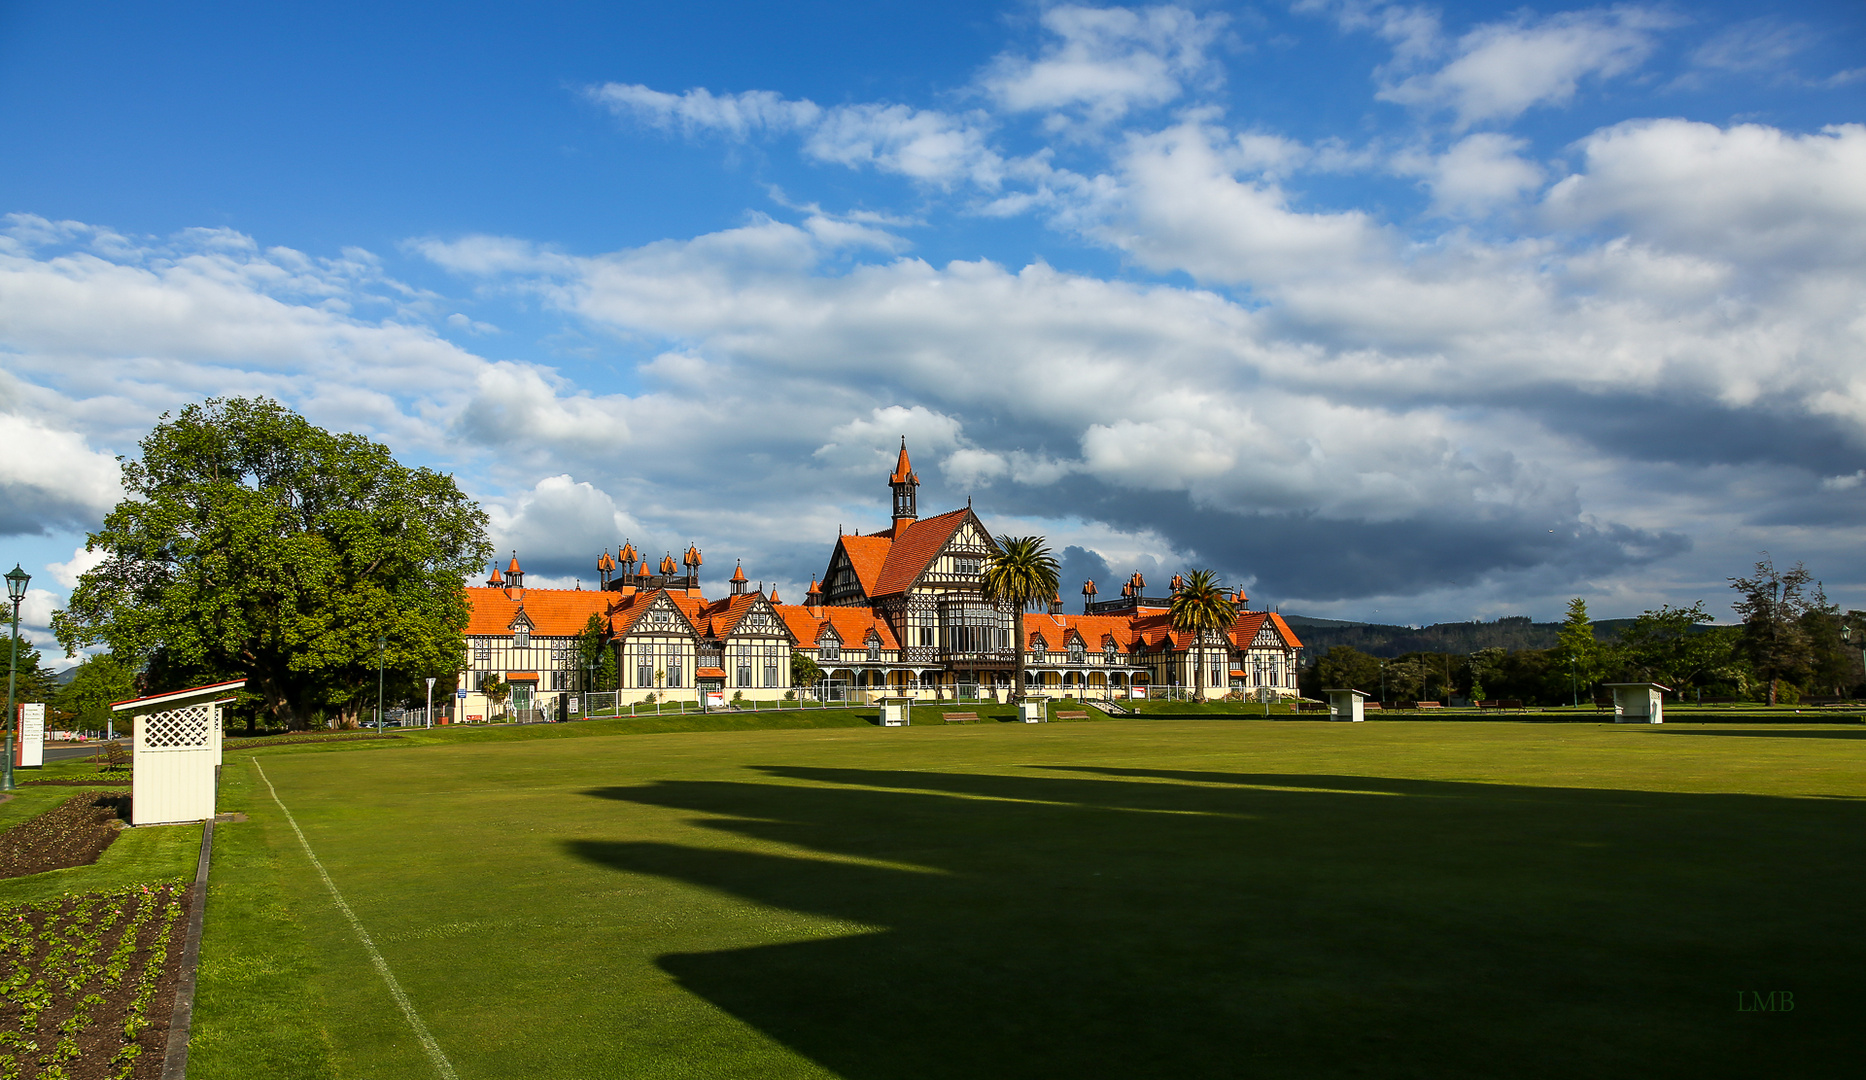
[1346, 667]
[1772, 603]
[1671, 646]
[1020, 573]
[255, 545]
[1834, 664]
[1202, 609]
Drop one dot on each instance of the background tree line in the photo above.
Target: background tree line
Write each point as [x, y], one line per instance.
[1793, 643]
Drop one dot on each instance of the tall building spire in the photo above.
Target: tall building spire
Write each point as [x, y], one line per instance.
[906, 487]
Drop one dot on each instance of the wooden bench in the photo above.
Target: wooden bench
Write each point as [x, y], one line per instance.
[1072, 715]
[1429, 705]
[958, 717]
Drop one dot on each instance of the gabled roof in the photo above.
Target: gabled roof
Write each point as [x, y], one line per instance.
[867, 555]
[721, 618]
[914, 549]
[628, 612]
[852, 624]
[552, 612]
[1092, 628]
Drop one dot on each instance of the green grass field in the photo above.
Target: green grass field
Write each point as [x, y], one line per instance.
[1151, 898]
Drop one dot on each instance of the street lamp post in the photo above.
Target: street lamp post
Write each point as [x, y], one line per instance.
[16, 581]
[382, 644]
[1574, 686]
[430, 714]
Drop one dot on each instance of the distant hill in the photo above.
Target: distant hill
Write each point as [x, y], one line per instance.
[1379, 639]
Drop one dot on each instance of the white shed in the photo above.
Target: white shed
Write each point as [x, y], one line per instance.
[1346, 705]
[176, 753]
[1638, 702]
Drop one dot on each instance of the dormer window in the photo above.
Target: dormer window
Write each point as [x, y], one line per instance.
[521, 637]
[830, 647]
[874, 649]
[1076, 655]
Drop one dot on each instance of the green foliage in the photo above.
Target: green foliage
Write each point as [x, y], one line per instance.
[1201, 608]
[32, 680]
[1670, 646]
[804, 670]
[97, 682]
[1020, 573]
[596, 661]
[1833, 664]
[1485, 667]
[495, 689]
[253, 544]
[1772, 604]
[1345, 667]
[1578, 645]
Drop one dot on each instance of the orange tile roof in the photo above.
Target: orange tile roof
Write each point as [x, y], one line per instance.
[738, 574]
[709, 673]
[628, 553]
[521, 676]
[1092, 628]
[867, 556]
[553, 612]
[692, 558]
[513, 569]
[916, 547]
[852, 625]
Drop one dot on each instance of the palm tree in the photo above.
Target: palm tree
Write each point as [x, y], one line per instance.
[1021, 573]
[1202, 606]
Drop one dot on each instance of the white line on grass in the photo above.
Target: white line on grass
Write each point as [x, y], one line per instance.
[441, 1064]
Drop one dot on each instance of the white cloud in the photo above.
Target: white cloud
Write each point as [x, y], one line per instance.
[559, 525]
[50, 479]
[1478, 174]
[925, 145]
[1752, 193]
[81, 562]
[1500, 70]
[1101, 63]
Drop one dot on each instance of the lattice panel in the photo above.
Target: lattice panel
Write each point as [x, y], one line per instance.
[177, 728]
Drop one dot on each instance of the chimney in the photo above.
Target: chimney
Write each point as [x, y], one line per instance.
[1088, 595]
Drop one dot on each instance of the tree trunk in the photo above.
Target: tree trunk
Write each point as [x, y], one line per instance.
[1772, 682]
[1017, 644]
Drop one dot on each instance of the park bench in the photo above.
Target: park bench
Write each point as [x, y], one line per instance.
[1429, 705]
[1072, 715]
[959, 717]
[115, 756]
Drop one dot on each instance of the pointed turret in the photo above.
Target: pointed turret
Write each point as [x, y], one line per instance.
[814, 598]
[738, 579]
[495, 581]
[1088, 595]
[906, 485]
[514, 577]
[628, 557]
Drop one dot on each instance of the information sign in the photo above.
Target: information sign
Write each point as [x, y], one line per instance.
[31, 745]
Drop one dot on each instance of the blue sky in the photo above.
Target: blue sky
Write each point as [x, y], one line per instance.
[1404, 312]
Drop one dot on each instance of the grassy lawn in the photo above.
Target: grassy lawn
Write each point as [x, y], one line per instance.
[1158, 898]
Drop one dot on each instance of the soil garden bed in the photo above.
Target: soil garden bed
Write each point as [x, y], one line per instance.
[101, 781]
[73, 833]
[87, 983]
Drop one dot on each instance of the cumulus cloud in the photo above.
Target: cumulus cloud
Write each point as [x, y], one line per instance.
[1476, 175]
[1098, 64]
[50, 479]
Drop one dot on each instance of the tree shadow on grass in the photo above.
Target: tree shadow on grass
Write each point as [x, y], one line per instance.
[1137, 923]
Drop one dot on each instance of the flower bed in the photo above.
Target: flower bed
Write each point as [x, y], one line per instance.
[87, 984]
[73, 833]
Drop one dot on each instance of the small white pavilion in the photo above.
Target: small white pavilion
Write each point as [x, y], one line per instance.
[176, 751]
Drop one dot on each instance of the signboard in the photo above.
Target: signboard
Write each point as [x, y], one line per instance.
[461, 694]
[715, 699]
[31, 752]
[573, 704]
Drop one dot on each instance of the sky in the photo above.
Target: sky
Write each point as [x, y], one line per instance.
[1406, 313]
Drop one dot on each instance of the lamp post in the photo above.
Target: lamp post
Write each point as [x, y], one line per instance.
[382, 645]
[430, 714]
[1574, 687]
[1383, 683]
[16, 581]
